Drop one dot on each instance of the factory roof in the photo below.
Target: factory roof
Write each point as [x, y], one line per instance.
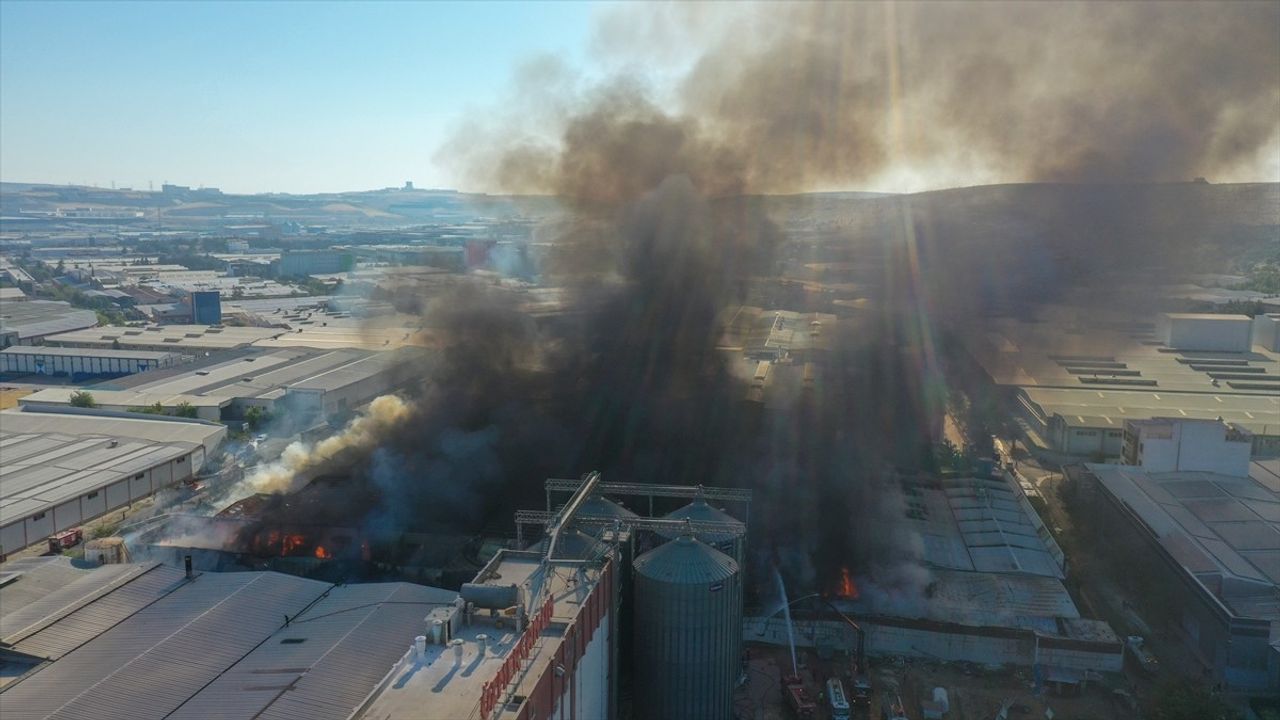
[1224, 530]
[338, 337]
[45, 467]
[121, 398]
[42, 471]
[1119, 356]
[1109, 407]
[38, 318]
[47, 622]
[12, 293]
[50, 350]
[979, 600]
[436, 688]
[77, 421]
[990, 560]
[247, 375]
[982, 525]
[183, 338]
[1206, 316]
[225, 644]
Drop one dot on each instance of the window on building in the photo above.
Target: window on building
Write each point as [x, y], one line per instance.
[91, 495]
[38, 517]
[138, 476]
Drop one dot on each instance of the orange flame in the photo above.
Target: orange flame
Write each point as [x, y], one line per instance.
[292, 543]
[321, 552]
[847, 588]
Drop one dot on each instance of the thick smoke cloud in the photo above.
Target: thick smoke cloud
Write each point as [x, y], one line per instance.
[812, 95]
[662, 231]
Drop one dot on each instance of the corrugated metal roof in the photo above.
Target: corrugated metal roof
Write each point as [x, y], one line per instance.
[58, 601]
[326, 661]
[49, 350]
[52, 469]
[27, 580]
[92, 618]
[154, 661]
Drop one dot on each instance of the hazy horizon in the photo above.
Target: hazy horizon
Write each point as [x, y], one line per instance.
[305, 98]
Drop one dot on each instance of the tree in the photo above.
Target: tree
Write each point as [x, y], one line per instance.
[154, 409]
[82, 399]
[256, 417]
[185, 409]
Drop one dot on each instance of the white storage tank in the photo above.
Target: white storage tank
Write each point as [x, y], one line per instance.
[1206, 332]
[688, 631]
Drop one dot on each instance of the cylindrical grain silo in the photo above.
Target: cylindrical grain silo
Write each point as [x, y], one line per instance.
[688, 631]
[732, 543]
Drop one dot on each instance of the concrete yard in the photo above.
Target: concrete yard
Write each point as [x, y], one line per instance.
[975, 693]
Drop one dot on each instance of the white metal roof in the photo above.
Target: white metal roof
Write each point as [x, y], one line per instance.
[230, 645]
[86, 352]
[1212, 524]
[151, 663]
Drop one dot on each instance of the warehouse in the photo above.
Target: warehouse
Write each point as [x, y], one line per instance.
[300, 383]
[27, 322]
[49, 360]
[1206, 549]
[164, 338]
[61, 470]
[269, 645]
[995, 592]
[1205, 331]
[1072, 384]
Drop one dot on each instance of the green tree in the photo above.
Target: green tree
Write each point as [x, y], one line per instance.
[153, 409]
[185, 409]
[256, 417]
[82, 399]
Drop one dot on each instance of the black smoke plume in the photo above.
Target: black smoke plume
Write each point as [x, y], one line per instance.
[665, 228]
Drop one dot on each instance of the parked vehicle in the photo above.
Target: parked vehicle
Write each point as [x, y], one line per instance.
[65, 539]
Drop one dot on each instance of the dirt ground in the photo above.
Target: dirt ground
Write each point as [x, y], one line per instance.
[974, 694]
[9, 396]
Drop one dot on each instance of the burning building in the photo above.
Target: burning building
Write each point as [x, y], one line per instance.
[986, 588]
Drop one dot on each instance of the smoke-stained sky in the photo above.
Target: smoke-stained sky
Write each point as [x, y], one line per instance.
[657, 167]
[802, 96]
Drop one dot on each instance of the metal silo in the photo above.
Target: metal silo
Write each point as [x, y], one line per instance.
[688, 631]
[732, 544]
[596, 506]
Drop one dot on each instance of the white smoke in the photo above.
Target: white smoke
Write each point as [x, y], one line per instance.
[286, 473]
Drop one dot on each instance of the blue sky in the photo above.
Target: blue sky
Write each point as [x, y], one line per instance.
[258, 96]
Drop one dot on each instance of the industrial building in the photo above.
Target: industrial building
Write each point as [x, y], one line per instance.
[65, 468]
[191, 339]
[1206, 547]
[51, 360]
[28, 322]
[150, 640]
[304, 384]
[1183, 445]
[994, 593]
[206, 307]
[1205, 332]
[1073, 384]
[532, 636]
[301, 263]
[1266, 332]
